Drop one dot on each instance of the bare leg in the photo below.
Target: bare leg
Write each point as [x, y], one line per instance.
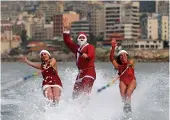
[123, 88]
[130, 90]
[123, 91]
[56, 94]
[48, 93]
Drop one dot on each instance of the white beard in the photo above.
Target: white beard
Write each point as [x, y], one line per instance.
[81, 43]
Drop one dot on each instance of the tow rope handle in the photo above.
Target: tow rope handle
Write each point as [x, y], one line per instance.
[113, 81]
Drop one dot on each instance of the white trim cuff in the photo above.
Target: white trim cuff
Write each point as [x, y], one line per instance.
[67, 32]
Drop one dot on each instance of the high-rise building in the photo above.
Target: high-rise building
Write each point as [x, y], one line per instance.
[58, 21]
[96, 19]
[80, 7]
[50, 8]
[41, 31]
[130, 19]
[163, 8]
[123, 19]
[147, 6]
[6, 29]
[152, 28]
[60, 7]
[165, 28]
[79, 26]
[112, 19]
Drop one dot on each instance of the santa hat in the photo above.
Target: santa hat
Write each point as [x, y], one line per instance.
[122, 51]
[82, 34]
[44, 51]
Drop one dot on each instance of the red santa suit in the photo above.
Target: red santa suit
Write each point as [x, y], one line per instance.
[87, 74]
[51, 78]
[128, 75]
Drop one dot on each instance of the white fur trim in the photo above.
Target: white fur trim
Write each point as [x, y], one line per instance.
[86, 76]
[122, 51]
[46, 86]
[44, 51]
[78, 54]
[67, 32]
[83, 36]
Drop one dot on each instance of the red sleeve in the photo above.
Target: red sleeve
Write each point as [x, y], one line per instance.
[91, 52]
[69, 43]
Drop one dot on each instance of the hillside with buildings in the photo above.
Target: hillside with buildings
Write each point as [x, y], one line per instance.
[30, 26]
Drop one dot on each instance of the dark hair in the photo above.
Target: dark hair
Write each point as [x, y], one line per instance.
[119, 61]
[42, 62]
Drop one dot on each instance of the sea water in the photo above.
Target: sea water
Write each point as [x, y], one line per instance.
[23, 100]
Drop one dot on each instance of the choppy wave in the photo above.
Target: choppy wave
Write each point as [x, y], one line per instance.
[26, 101]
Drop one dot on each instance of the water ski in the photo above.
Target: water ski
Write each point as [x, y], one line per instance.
[127, 112]
[50, 105]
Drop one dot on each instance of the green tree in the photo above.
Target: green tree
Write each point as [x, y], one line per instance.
[166, 44]
[16, 29]
[23, 37]
[65, 49]
[92, 40]
[75, 39]
[100, 38]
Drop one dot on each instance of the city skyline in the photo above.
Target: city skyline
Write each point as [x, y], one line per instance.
[124, 20]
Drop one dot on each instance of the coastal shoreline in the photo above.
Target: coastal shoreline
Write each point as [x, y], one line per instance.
[12, 59]
[102, 55]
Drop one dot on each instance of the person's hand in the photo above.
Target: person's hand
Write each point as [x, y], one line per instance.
[114, 44]
[84, 55]
[24, 59]
[66, 24]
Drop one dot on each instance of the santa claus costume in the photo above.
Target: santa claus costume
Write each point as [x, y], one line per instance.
[86, 67]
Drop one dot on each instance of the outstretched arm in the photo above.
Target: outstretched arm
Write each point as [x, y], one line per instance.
[69, 43]
[67, 39]
[35, 65]
[113, 61]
